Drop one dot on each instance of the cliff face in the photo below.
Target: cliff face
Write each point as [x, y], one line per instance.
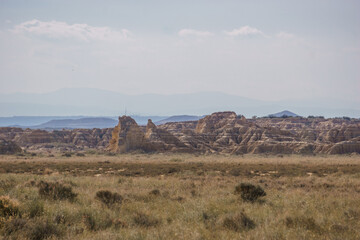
[227, 133]
[222, 132]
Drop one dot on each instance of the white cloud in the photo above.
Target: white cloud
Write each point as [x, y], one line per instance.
[244, 31]
[84, 32]
[285, 35]
[192, 32]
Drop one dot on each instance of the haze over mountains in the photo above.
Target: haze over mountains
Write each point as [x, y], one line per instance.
[95, 102]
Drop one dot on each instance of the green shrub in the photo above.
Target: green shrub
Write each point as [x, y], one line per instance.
[249, 192]
[109, 198]
[56, 191]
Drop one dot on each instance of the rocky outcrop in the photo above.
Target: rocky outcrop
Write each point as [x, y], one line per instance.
[163, 140]
[64, 140]
[127, 136]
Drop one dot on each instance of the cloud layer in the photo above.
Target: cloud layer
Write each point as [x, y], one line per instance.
[83, 32]
[244, 31]
[192, 32]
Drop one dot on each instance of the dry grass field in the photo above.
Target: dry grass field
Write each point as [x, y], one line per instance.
[159, 196]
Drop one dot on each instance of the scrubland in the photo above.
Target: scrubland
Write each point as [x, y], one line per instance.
[159, 196]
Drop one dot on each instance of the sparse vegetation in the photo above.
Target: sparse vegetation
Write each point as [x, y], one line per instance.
[56, 191]
[135, 197]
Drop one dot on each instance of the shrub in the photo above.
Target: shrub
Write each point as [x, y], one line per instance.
[155, 192]
[67, 154]
[307, 223]
[144, 220]
[238, 222]
[89, 222]
[43, 230]
[109, 198]
[95, 220]
[35, 208]
[249, 192]
[8, 208]
[14, 225]
[80, 154]
[56, 191]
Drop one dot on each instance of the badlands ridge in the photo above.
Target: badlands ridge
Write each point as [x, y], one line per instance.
[221, 132]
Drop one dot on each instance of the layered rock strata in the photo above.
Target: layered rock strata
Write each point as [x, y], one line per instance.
[222, 132]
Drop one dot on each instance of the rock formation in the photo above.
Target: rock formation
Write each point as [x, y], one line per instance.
[222, 132]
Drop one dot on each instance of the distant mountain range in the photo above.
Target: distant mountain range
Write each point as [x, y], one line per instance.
[95, 102]
[84, 122]
[285, 113]
[60, 122]
[179, 118]
[78, 123]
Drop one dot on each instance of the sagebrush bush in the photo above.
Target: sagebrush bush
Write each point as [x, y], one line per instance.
[109, 198]
[56, 191]
[249, 192]
[9, 208]
[238, 222]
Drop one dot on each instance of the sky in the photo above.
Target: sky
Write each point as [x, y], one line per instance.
[266, 50]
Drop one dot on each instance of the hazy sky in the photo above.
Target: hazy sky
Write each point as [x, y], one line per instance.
[267, 50]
